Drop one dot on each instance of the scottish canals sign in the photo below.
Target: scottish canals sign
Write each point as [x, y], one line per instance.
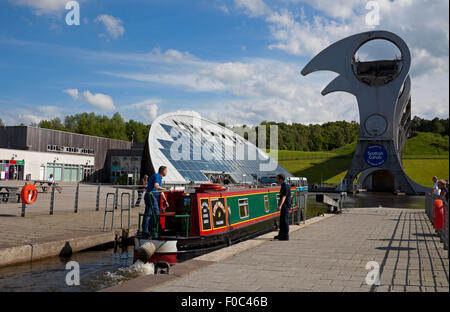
[375, 155]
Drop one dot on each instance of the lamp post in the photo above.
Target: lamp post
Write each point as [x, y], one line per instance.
[54, 166]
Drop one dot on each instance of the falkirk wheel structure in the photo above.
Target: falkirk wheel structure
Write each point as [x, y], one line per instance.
[382, 89]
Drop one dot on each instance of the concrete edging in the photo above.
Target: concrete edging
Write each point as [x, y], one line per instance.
[45, 249]
[141, 284]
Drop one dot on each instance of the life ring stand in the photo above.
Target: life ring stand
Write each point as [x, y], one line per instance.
[29, 193]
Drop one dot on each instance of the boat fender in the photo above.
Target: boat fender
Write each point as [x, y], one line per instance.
[162, 267]
[145, 251]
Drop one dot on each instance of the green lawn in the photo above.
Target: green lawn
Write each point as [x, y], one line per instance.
[425, 155]
[428, 144]
[422, 170]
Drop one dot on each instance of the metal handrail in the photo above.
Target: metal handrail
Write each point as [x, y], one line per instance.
[109, 211]
[128, 208]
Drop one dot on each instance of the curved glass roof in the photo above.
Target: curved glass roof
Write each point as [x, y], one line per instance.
[193, 148]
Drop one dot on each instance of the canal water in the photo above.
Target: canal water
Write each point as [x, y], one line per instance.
[101, 268]
[98, 269]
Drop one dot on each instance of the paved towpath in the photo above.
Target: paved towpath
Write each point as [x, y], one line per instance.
[331, 255]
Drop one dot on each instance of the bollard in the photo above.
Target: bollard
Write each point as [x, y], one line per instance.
[52, 199]
[97, 200]
[116, 201]
[305, 199]
[75, 207]
[23, 210]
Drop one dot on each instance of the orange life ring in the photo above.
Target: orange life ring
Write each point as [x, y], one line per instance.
[438, 214]
[28, 194]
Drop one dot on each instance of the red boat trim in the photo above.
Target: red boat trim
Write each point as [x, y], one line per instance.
[225, 195]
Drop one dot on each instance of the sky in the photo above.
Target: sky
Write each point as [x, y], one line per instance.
[234, 61]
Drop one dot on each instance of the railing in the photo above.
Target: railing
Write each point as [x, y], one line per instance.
[64, 197]
[429, 210]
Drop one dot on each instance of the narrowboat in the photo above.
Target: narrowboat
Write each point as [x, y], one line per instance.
[211, 216]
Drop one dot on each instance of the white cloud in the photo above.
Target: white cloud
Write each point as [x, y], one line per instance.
[73, 93]
[302, 36]
[264, 88]
[224, 9]
[99, 100]
[334, 8]
[253, 8]
[151, 111]
[147, 110]
[422, 24]
[44, 7]
[113, 25]
[31, 114]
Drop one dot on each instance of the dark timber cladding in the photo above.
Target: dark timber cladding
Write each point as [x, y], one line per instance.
[37, 139]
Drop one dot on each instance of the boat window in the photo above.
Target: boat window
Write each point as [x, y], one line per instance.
[266, 202]
[243, 208]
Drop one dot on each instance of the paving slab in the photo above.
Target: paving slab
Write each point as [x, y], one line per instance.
[332, 255]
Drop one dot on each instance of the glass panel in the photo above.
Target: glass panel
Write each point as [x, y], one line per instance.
[67, 173]
[58, 173]
[74, 174]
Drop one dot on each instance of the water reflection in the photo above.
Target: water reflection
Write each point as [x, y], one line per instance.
[98, 269]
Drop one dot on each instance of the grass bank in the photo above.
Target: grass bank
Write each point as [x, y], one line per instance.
[425, 155]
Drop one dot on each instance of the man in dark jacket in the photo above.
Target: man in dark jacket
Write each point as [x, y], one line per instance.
[284, 206]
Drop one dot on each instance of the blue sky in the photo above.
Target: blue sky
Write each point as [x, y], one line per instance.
[235, 61]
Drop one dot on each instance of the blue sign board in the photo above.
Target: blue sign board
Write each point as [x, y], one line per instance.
[375, 155]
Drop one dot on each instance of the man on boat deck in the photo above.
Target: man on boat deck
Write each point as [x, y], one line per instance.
[152, 200]
[284, 206]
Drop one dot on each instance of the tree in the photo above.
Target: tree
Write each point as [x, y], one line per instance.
[136, 131]
[100, 125]
[54, 124]
[436, 126]
[1, 123]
